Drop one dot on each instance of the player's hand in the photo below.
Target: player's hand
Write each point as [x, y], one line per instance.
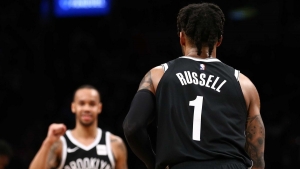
[55, 130]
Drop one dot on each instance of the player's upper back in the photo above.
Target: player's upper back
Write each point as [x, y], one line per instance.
[187, 78]
[210, 73]
[200, 103]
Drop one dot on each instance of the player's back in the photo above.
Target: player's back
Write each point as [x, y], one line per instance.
[201, 113]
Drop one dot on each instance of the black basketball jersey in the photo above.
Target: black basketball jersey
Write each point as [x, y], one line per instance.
[201, 113]
[97, 155]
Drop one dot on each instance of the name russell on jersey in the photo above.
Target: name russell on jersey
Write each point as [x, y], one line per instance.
[204, 80]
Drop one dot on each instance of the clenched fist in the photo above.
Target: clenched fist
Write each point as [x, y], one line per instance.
[55, 130]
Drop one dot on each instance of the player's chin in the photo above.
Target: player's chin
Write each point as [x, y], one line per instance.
[86, 122]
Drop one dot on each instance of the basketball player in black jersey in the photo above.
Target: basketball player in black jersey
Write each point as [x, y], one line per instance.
[207, 112]
[86, 146]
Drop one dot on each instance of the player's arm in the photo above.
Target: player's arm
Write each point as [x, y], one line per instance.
[151, 79]
[141, 113]
[49, 154]
[255, 130]
[146, 83]
[119, 151]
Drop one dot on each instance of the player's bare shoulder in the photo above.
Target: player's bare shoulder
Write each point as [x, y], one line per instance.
[119, 151]
[151, 79]
[157, 73]
[249, 90]
[245, 82]
[117, 144]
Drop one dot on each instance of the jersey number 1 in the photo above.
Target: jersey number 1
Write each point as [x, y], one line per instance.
[197, 103]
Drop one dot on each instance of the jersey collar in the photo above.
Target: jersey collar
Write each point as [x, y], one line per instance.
[202, 60]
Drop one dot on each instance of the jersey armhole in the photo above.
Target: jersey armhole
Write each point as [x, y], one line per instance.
[237, 74]
[63, 152]
[109, 149]
[165, 66]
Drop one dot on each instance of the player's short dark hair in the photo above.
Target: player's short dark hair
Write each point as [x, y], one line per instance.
[5, 148]
[87, 86]
[202, 23]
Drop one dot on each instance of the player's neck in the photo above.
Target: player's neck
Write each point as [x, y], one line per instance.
[81, 131]
[192, 52]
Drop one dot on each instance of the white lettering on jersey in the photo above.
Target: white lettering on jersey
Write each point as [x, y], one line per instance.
[202, 79]
[103, 164]
[195, 79]
[95, 162]
[88, 163]
[188, 77]
[218, 89]
[213, 85]
[181, 78]
[209, 81]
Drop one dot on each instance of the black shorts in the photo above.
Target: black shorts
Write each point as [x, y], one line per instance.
[215, 164]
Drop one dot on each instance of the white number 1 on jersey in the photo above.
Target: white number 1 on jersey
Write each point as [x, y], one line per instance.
[197, 103]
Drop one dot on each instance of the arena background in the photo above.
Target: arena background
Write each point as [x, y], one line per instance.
[45, 56]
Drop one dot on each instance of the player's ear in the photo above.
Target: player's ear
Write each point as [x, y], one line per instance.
[220, 41]
[73, 107]
[100, 108]
[182, 38]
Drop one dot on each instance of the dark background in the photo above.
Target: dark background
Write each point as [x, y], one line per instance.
[43, 59]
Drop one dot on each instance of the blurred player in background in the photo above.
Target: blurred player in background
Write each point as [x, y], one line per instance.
[86, 146]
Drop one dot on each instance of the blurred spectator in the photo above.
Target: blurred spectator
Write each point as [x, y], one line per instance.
[6, 154]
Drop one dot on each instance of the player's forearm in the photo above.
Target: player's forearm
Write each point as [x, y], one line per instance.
[140, 144]
[40, 159]
[140, 114]
[255, 142]
[257, 156]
